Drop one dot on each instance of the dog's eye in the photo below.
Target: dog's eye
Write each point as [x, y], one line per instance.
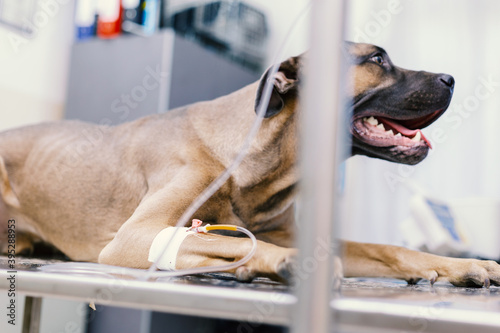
[378, 59]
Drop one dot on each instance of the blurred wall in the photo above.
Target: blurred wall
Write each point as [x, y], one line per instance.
[283, 16]
[33, 69]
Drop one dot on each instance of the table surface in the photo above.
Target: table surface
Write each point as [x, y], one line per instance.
[373, 304]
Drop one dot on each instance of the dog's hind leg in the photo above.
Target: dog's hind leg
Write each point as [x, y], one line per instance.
[9, 203]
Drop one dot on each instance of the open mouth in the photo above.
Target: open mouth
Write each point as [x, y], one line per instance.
[380, 131]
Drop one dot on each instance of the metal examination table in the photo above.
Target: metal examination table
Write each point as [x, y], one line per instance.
[361, 305]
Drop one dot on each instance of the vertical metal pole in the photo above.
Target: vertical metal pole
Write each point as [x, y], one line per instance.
[145, 325]
[32, 310]
[167, 56]
[318, 166]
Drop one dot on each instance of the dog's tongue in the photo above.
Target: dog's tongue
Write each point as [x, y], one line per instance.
[403, 130]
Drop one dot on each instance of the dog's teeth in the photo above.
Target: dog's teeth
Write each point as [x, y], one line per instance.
[389, 132]
[417, 137]
[372, 121]
[381, 126]
[398, 135]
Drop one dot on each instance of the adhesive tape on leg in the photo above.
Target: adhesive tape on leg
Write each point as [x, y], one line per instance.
[167, 260]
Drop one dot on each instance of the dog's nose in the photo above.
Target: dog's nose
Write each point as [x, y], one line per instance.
[448, 80]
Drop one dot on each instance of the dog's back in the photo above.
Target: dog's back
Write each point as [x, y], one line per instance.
[74, 166]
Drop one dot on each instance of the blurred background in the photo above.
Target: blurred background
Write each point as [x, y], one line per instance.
[111, 61]
[65, 59]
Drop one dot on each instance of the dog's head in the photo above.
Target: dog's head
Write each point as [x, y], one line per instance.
[390, 105]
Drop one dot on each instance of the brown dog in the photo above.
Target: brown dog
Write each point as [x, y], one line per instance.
[102, 194]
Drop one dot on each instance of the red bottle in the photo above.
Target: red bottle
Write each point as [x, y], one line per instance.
[109, 18]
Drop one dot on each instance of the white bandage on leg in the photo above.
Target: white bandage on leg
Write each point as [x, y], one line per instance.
[167, 261]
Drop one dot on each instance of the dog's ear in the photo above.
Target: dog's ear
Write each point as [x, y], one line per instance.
[285, 83]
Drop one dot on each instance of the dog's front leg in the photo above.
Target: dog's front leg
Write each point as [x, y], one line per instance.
[131, 245]
[160, 208]
[131, 248]
[374, 260]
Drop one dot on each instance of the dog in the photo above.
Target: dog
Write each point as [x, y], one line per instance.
[102, 194]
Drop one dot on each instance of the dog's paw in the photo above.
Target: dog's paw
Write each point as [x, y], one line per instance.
[244, 274]
[277, 264]
[414, 281]
[286, 268]
[472, 273]
[477, 273]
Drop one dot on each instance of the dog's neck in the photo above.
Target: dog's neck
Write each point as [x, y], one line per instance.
[224, 123]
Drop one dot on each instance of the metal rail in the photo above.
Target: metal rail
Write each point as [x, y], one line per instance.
[189, 299]
[319, 164]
